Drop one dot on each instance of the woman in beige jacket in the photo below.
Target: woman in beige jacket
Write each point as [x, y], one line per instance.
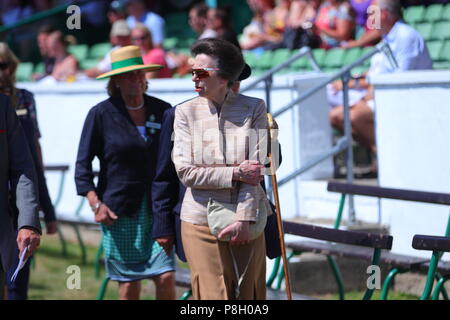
[219, 153]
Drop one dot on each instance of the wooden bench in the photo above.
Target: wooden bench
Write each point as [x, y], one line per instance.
[397, 263]
[340, 242]
[438, 245]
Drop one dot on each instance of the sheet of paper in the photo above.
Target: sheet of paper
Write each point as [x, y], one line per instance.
[22, 262]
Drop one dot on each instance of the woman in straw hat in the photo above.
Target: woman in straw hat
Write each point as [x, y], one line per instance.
[123, 133]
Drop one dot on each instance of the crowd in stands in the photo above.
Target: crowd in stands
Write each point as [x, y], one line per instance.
[275, 24]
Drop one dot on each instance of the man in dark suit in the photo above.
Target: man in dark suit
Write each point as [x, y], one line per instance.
[168, 193]
[17, 175]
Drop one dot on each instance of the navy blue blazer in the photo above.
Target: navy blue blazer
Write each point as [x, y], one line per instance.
[127, 161]
[168, 193]
[45, 201]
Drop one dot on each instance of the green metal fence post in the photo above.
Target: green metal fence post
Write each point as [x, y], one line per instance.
[430, 277]
[439, 287]
[273, 274]
[102, 290]
[375, 262]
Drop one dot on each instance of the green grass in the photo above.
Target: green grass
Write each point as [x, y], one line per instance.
[48, 279]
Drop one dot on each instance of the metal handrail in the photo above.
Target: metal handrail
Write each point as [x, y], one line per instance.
[381, 47]
[266, 75]
[340, 146]
[344, 143]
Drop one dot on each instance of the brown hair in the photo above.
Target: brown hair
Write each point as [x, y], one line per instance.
[114, 91]
[229, 57]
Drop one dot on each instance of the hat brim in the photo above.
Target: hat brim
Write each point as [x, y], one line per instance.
[149, 67]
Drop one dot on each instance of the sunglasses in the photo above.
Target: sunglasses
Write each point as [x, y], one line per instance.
[139, 38]
[4, 65]
[203, 73]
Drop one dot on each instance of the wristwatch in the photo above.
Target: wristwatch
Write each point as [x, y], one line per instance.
[96, 206]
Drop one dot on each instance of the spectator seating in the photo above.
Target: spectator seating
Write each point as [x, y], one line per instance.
[39, 68]
[24, 71]
[432, 22]
[79, 51]
[99, 50]
[414, 14]
[176, 25]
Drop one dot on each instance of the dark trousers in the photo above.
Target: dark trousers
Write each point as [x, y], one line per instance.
[2, 280]
[18, 290]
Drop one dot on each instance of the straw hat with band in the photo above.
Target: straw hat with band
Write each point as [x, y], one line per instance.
[127, 59]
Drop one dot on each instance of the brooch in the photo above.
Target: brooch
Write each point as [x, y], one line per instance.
[153, 126]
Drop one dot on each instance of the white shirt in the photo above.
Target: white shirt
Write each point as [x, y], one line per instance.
[408, 48]
[105, 64]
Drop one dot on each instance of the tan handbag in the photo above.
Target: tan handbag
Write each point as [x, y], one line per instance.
[221, 215]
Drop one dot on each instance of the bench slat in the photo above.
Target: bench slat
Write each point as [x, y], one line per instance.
[56, 168]
[398, 194]
[365, 239]
[443, 268]
[432, 243]
[355, 252]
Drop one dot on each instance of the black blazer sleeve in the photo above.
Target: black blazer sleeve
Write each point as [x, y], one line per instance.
[165, 187]
[21, 171]
[89, 147]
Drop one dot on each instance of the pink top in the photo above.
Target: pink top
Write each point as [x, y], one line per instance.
[157, 56]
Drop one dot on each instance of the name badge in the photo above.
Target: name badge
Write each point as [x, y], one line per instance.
[153, 125]
[21, 112]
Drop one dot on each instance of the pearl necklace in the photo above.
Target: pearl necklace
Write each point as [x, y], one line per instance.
[135, 108]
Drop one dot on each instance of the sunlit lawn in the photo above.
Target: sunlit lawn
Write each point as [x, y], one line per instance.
[48, 278]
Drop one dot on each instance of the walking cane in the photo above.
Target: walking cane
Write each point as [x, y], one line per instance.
[277, 206]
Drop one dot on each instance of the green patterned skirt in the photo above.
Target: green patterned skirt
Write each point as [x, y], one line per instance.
[130, 252]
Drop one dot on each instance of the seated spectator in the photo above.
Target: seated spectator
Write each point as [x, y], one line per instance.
[66, 65]
[280, 14]
[116, 12]
[219, 20]
[365, 33]
[197, 21]
[259, 32]
[48, 61]
[334, 23]
[137, 12]
[298, 30]
[411, 53]
[120, 36]
[179, 62]
[142, 37]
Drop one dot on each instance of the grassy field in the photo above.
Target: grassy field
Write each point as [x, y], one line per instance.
[49, 279]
